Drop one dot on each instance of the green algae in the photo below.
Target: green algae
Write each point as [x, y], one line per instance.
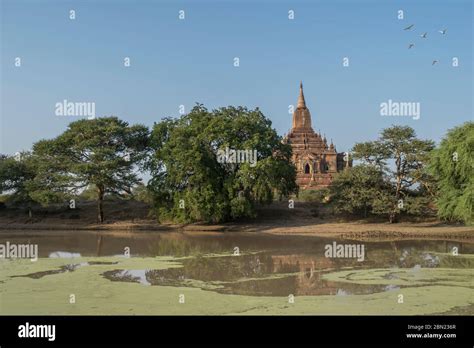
[430, 290]
[406, 276]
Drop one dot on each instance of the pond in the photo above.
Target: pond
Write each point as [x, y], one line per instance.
[233, 273]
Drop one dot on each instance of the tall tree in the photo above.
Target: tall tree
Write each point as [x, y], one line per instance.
[16, 174]
[195, 178]
[361, 190]
[452, 164]
[403, 157]
[102, 152]
[19, 177]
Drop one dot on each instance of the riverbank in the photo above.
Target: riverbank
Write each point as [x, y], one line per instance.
[347, 230]
[304, 219]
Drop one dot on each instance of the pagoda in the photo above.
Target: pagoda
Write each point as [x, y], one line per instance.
[316, 162]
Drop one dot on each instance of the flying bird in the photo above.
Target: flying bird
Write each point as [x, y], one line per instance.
[411, 45]
[409, 27]
[434, 62]
[424, 35]
[443, 31]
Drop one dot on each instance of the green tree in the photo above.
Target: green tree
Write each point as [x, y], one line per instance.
[16, 174]
[102, 152]
[402, 157]
[452, 164]
[19, 178]
[192, 181]
[141, 193]
[361, 190]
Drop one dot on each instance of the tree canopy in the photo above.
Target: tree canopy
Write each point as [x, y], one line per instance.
[452, 164]
[16, 174]
[360, 190]
[195, 179]
[102, 152]
[401, 159]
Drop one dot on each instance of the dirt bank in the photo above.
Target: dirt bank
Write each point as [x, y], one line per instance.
[304, 219]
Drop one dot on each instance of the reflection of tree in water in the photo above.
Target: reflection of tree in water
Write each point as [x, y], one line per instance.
[449, 261]
[121, 276]
[305, 279]
[308, 280]
[429, 255]
[216, 269]
[410, 258]
[298, 274]
[288, 267]
[251, 275]
[171, 277]
[302, 284]
[262, 287]
[407, 254]
[184, 247]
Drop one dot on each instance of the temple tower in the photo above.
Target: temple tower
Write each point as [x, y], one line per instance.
[316, 162]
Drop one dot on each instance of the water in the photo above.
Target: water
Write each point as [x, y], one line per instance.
[250, 265]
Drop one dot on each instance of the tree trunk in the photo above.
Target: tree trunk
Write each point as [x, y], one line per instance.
[100, 201]
[392, 218]
[398, 187]
[99, 245]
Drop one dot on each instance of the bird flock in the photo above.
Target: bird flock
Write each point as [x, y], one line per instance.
[424, 36]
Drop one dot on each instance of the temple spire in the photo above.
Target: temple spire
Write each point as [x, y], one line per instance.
[301, 101]
[301, 115]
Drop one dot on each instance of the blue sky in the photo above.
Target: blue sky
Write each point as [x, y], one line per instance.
[176, 62]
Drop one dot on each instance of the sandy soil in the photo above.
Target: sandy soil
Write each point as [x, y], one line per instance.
[304, 219]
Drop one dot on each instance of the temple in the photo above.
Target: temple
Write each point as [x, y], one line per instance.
[316, 162]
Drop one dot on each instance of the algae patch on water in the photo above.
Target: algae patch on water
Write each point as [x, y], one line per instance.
[426, 291]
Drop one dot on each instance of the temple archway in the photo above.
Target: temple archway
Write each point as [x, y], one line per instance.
[307, 169]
